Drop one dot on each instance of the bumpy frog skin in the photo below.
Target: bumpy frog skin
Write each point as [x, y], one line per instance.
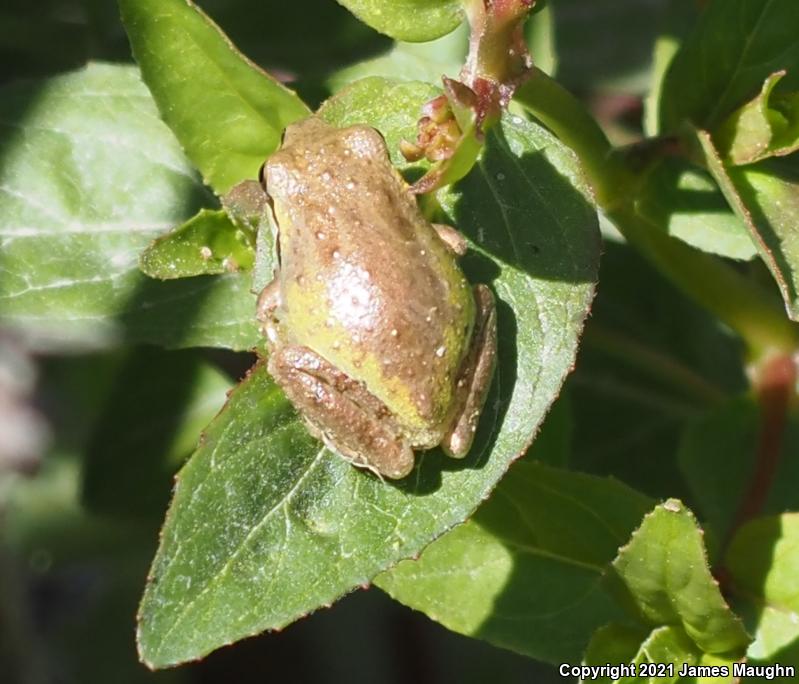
[374, 332]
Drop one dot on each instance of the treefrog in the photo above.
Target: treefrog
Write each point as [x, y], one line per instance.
[373, 330]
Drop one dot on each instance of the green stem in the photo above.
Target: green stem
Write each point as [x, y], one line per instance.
[566, 116]
[738, 302]
[709, 281]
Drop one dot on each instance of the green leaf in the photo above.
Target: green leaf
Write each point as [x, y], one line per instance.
[735, 47]
[412, 20]
[150, 421]
[680, 18]
[209, 243]
[83, 190]
[668, 649]
[765, 196]
[266, 525]
[614, 643]
[763, 562]
[227, 113]
[719, 664]
[539, 32]
[526, 572]
[684, 200]
[444, 56]
[411, 61]
[664, 568]
[768, 126]
[718, 455]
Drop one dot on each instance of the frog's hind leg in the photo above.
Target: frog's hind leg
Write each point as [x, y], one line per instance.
[476, 374]
[342, 412]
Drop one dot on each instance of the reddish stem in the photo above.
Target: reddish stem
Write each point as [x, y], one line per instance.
[774, 384]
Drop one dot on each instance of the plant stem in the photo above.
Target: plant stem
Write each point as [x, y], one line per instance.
[774, 383]
[566, 116]
[738, 302]
[650, 361]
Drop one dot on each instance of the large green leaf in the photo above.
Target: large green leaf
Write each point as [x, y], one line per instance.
[526, 572]
[735, 47]
[89, 176]
[226, 112]
[665, 570]
[266, 524]
[763, 562]
[765, 196]
[411, 20]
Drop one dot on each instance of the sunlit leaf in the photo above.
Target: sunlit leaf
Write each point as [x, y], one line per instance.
[266, 524]
[209, 243]
[526, 572]
[684, 200]
[227, 113]
[768, 126]
[412, 20]
[665, 570]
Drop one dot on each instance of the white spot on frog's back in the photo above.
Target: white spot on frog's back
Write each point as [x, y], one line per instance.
[354, 302]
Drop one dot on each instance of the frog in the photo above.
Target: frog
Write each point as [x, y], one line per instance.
[372, 329]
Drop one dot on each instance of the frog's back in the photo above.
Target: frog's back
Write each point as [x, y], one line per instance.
[366, 282]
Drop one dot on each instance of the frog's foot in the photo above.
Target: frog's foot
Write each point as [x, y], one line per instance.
[451, 238]
[342, 412]
[476, 375]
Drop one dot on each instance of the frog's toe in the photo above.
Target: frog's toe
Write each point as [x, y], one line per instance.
[476, 376]
[391, 458]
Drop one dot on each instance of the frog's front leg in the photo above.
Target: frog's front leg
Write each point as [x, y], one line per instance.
[475, 379]
[341, 411]
[268, 301]
[452, 238]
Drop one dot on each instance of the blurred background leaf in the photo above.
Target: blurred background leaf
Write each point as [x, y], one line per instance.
[83, 190]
